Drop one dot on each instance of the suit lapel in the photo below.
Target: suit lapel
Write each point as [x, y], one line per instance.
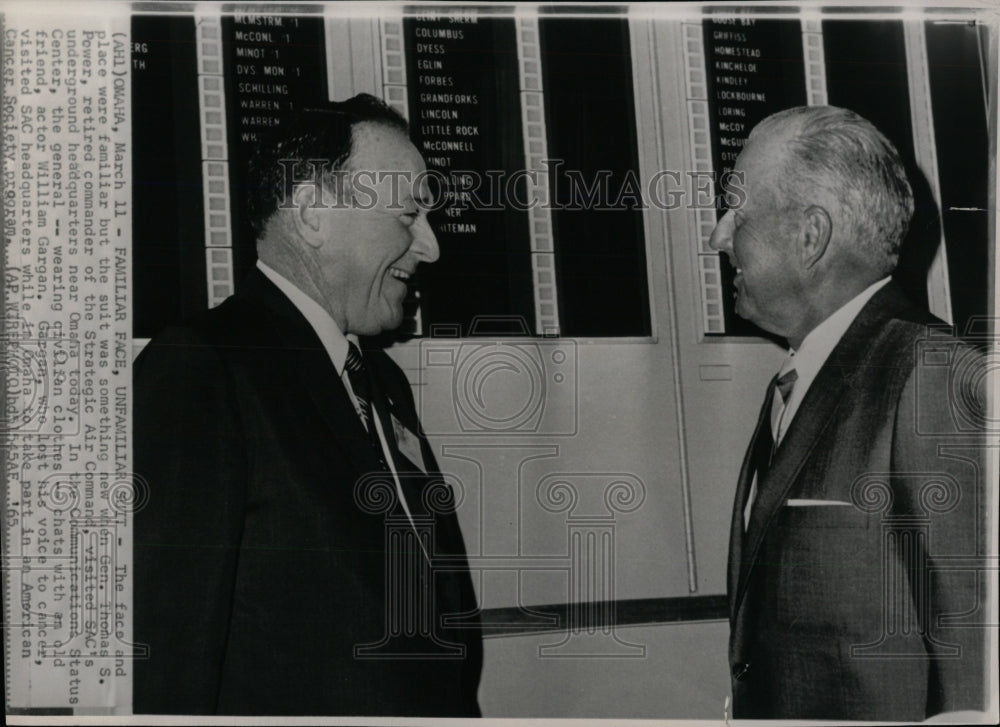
[736, 535]
[815, 414]
[411, 479]
[448, 535]
[308, 367]
[394, 407]
[820, 402]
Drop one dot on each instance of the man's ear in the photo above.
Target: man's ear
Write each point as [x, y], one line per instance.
[306, 217]
[814, 236]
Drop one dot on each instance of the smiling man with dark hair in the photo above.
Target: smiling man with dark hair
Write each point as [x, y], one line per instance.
[262, 567]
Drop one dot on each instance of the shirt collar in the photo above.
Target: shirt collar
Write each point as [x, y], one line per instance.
[326, 328]
[820, 342]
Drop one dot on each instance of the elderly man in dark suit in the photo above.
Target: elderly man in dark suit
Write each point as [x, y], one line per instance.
[300, 553]
[859, 521]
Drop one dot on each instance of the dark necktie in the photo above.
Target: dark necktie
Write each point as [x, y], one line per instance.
[752, 476]
[372, 403]
[765, 446]
[784, 386]
[357, 372]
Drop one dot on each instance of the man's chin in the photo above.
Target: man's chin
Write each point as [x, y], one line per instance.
[749, 315]
[741, 309]
[390, 320]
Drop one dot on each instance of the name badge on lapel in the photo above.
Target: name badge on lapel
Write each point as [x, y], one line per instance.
[408, 443]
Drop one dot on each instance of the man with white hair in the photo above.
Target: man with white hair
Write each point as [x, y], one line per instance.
[858, 527]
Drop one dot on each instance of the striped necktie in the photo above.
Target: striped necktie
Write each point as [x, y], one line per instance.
[357, 372]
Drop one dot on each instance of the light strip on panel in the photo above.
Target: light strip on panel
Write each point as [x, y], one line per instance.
[395, 94]
[695, 75]
[543, 267]
[815, 61]
[215, 160]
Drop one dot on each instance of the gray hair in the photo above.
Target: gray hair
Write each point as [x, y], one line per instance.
[843, 153]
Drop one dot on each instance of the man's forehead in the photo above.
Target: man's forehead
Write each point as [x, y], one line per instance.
[379, 146]
[390, 156]
[763, 152]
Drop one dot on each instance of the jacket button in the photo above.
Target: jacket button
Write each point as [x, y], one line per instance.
[740, 671]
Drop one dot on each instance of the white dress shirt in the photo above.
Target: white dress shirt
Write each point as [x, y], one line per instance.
[336, 345]
[807, 361]
[813, 353]
[330, 335]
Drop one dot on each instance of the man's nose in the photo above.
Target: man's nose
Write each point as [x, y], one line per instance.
[424, 244]
[722, 236]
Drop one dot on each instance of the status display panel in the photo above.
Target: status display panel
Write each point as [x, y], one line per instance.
[274, 65]
[465, 118]
[169, 260]
[754, 68]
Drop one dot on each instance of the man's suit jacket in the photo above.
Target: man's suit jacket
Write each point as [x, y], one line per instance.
[843, 611]
[257, 571]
